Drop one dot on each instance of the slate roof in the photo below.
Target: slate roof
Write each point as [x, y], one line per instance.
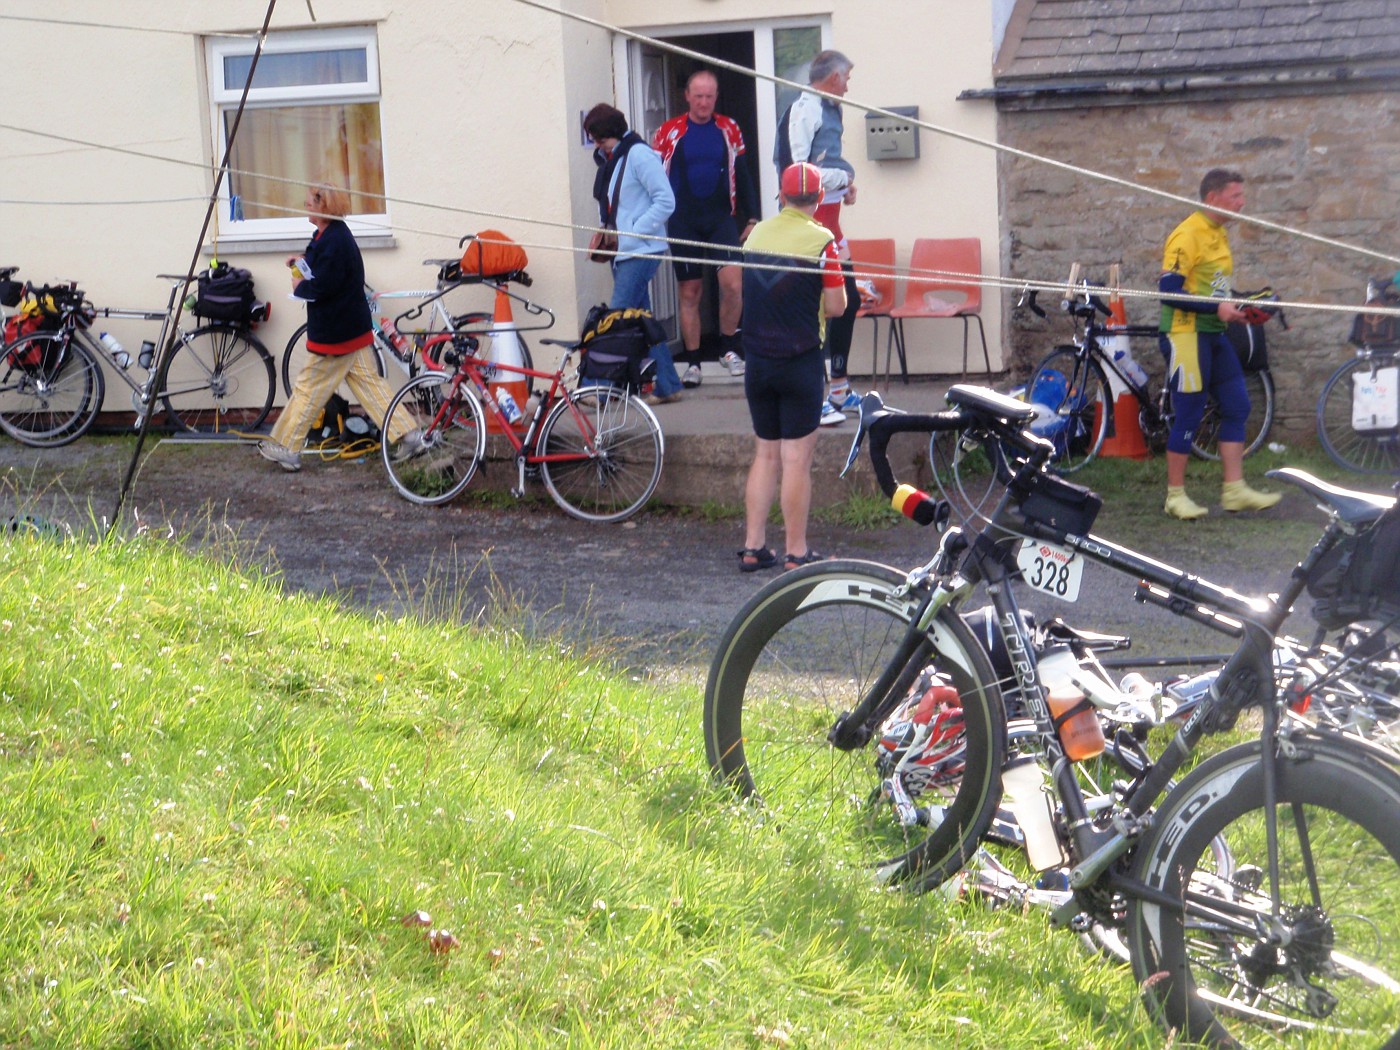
[1056, 42]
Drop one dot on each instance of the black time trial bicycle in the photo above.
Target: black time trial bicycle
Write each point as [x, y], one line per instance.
[1298, 936]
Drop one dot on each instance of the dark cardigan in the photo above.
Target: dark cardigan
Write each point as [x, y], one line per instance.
[336, 310]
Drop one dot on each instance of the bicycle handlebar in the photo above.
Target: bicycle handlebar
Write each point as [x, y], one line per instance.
[994, 419]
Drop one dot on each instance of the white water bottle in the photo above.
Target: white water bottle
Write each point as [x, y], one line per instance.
[1130, 368]
[118, 352]
[509, 408]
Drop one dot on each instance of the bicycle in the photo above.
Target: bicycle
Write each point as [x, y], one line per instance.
[1358, 412]
[1302, 931]
[598, 449]
[403, 347]
[1072, 383]
[218, 377]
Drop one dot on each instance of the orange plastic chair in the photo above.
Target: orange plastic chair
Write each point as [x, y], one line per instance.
[932, 292]
[873, 260]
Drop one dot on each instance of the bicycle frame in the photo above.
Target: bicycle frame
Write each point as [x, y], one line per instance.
[1246, 680]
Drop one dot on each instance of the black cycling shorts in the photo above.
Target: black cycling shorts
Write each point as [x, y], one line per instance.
[785, 394]
[716, 228]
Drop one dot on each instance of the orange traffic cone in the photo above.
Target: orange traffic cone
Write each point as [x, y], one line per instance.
[508, 388]
[1124, 439]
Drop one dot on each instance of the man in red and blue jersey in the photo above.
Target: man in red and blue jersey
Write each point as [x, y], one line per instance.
[702, 152]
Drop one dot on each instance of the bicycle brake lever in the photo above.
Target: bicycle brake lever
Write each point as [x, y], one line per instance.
[871, 406]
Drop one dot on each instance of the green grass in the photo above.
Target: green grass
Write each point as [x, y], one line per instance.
[218, 801]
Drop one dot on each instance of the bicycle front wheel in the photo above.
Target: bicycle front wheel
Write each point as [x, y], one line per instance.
[51, 390]
[1073, 406]
[799, 654]
[445, 442]
[1260, 386]
[219, 380]
[600, 453]
[1377, 453]
[1317, 964]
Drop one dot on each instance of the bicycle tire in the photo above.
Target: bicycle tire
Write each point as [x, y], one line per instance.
[53, 400]
[219, 379]
[796, 656]
[294, 356]
[1207, 971]
[453, 439]
[1078, 405]
[1260, 386]
[620, 476]
[1341, 442]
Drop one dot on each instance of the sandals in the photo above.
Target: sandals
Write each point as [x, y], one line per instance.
[752, 559]
[796, 561]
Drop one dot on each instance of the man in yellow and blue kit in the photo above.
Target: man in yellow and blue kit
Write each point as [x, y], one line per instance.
[1201, 361]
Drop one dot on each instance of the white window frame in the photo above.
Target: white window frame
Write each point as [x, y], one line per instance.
[224, 98]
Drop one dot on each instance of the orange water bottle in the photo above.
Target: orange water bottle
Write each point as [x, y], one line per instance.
[1077, 722]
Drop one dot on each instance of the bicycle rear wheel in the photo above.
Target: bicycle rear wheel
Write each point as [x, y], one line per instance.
[447, 442]
[1260, 386]
[1366, 454]
[1320, 962]
[219, 380]
[51, 389]
[295, 355]
[600, 453]
[804, 650]
[1074, 406]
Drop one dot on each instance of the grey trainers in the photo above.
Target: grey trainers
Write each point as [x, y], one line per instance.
[733, 362]
[691, 379]
[284, 457]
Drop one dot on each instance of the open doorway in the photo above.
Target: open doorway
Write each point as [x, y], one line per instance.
[662, 89]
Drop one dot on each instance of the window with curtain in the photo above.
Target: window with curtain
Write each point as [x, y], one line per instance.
[312, 116]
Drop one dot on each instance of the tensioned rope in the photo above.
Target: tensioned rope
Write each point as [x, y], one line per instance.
[866, 271]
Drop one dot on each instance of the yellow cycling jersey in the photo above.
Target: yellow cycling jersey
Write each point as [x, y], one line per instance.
[1199, 250]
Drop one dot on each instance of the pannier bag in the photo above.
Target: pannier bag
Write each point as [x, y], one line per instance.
[1359, 578]
[1375, 401]
[225, 293]
[615, 346]
[43, 309]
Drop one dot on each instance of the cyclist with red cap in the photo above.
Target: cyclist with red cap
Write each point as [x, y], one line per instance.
[792, 284]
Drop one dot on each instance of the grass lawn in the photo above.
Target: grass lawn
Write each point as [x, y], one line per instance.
[232, 816]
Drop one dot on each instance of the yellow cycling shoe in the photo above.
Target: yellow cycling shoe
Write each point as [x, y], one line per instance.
[1180, 505]
[1236, 495]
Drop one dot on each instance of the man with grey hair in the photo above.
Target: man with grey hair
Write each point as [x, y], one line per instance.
[810, 130]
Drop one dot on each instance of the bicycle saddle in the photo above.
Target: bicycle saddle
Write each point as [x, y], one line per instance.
[1354, 508]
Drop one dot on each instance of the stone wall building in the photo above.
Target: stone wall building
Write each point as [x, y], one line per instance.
[1302, 96]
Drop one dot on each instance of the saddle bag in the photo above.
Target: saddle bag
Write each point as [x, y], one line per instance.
[1359, 578]
[225, 293]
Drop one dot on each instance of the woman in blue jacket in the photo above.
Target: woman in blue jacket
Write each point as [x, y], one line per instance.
[330, 277]
[630, 176]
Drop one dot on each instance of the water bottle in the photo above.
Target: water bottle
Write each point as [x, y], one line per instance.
[509, 408]
[395, 337]
[147, 354]
[118, 352]
[1128, 365]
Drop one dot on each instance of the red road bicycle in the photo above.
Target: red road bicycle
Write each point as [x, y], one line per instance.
[598, 449]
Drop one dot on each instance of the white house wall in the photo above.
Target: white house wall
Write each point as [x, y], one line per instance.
[480, 101]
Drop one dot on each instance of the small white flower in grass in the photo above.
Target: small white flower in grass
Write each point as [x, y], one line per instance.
[209, 899]
[116, 665]
[225, 658]
[126, 758]
[199, 963]
[123, 913]
[363, 784]
[429, 1000]
[6, 626]
[777, 1036]
[282, 821]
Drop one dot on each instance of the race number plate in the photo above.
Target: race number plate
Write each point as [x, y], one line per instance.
[1051, 569]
